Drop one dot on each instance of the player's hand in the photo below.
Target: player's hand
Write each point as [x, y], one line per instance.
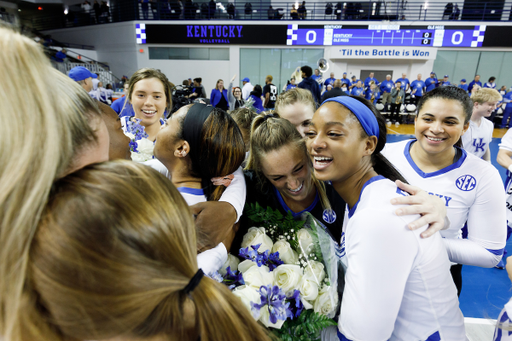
[214, 222]
[431, 208]
[233, 79]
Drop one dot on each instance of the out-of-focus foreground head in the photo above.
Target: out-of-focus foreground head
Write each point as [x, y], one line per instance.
[36, 148]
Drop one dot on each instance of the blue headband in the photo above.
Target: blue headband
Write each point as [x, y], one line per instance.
[365, 116]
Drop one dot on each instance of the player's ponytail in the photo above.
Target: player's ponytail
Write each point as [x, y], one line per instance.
[127, 269]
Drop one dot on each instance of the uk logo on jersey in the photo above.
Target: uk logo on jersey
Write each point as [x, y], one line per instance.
[466, 183]
[329, 216]
[479, 145]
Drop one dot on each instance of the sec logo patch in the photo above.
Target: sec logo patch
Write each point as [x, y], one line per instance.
[466, 183]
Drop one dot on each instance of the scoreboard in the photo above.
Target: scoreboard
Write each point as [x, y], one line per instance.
[386, 35]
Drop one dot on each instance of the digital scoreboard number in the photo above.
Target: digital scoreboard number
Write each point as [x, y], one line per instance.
[386, 35]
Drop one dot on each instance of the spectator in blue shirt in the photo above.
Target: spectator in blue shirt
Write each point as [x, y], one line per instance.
[431, 82]
[508, 110]
[463, 85]
[60, 56]
[476, 81]
[418, 88]
[385, 88]
[309, 83]
[445, 81]
[369, 79]
[358, 90]
[345, 80]
[491, 83]
[405, 82]
[316, 76]
[354, 81]
[330, 80]
[292, 84]
[373, 93]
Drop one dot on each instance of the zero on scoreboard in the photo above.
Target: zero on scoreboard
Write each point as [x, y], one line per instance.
[386, 35]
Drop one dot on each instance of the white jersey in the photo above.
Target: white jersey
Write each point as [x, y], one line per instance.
[503, 331]
[506, 144]
[477, 138]
[234, 194]
[398, 285]
[246, 90]
[473, 192]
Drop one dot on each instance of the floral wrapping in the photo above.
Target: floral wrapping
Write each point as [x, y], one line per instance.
[141, 148]
[286, 274]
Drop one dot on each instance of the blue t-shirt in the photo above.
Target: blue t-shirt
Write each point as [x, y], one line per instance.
[369, 79]
[376, 95]
[443, 83]
[508, 97]
[346, 81]
[356, 91]
[290, 86]
[431, 83]
[404, 82]
[329, 81]
[464, 87]
[417, 85]
[470, 86]
[490, 85]
[118, 104]
[387, 85]
[355, 82]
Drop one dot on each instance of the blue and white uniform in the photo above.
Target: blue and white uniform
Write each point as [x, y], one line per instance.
[490, 85]
[506, 144]
[473, 192]
[443, 83]
[464, 87]
[472, 84]
[508, 109]
[397, 285]
[477, 138]
[290, 86]
[368, 80]
[505, 321]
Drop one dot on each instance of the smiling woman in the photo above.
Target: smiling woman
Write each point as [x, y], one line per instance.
[470, 187]
[396, 281]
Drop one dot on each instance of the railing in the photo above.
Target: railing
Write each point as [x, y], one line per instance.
[241, 10]
[105, 75]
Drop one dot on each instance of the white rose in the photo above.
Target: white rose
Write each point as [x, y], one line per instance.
[305, 239]
[145, 146]
[245, 265]
[286, 253]
[314, 271]
[265, 319]
[255, 236]
[306, 304]
[308, 289]
[247, 295]
[256, 276]
[231, 262]
[326, 302]
[138, 157]
[287, 276]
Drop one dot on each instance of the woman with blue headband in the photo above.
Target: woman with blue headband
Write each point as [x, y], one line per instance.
[398, 285]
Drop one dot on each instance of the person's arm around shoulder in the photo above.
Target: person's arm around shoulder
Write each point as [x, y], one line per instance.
[504, 159]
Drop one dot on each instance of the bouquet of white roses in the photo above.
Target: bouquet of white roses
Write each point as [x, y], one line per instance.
[288, 276]
[141, 148]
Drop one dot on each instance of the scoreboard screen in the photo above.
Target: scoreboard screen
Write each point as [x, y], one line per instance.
[386, 35]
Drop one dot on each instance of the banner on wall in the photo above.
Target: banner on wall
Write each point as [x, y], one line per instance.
[239, 33]
[382, 52]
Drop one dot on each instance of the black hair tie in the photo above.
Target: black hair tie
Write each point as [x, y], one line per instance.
[194, 282]
[267, 117]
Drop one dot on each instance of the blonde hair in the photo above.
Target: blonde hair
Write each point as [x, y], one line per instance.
[293, 96]
[217, 84]
[82, 113]
[483, 95]
[270, 133]
[146, 73]
[122, 270]
[36, 147]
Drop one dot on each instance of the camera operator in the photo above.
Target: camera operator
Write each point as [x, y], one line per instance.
[197, 90]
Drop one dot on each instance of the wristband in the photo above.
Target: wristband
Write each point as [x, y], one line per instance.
[510, 168]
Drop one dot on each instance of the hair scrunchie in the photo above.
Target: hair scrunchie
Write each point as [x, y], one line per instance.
[194, 282]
